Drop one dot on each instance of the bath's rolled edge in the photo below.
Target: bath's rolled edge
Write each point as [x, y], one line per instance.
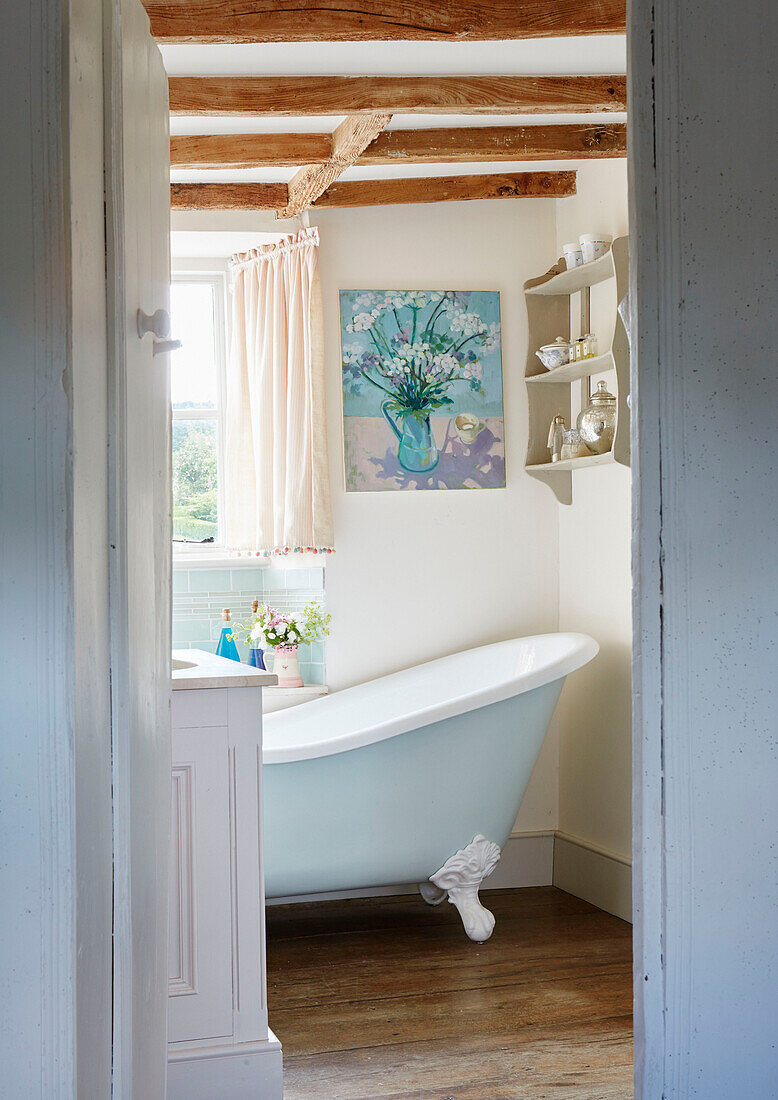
[576, 650]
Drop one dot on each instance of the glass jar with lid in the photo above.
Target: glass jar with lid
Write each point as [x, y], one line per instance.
[597, 421]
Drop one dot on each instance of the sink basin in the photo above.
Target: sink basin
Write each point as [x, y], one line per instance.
[179, 665]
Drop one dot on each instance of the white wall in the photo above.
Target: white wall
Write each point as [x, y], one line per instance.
[420, 574]
[417, 575]
[595, 781]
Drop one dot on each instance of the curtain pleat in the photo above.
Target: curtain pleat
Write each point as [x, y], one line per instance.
[276, 475]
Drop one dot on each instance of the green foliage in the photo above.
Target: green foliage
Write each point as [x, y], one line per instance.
[314, 623]
[194, 479]
[268, 626]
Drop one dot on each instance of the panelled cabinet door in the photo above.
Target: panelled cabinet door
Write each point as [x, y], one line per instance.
[200, 933]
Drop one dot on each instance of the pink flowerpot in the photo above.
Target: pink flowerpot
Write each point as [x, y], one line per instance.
[286, 667]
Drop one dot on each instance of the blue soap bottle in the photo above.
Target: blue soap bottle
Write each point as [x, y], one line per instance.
[256, 656]
[226, 645]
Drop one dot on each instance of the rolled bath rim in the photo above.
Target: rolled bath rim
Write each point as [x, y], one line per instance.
[418, 696]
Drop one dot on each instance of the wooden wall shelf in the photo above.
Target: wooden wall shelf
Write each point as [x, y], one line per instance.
[572, 372]
[548, 299]
[573, 464]
[563, 280]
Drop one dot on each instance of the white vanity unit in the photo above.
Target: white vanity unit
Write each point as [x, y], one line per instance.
[219, 1043]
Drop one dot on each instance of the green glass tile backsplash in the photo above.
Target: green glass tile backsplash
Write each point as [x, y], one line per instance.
[200, 594]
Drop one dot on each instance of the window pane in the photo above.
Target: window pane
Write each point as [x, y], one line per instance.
[193, 377]
[195, 481]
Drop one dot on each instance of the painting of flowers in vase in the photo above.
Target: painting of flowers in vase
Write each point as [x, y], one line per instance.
[422, 389]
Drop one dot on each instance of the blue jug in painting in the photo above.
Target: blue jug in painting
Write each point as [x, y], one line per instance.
[226, 645]
[417, 451]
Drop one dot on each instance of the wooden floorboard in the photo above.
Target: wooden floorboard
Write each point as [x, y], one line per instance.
[387, 998]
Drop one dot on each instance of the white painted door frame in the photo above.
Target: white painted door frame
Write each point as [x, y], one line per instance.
[702, 95]
[37, 686]
[56, 871]
[138, 243]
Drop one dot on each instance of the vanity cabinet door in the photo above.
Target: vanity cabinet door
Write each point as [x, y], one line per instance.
[200, 928]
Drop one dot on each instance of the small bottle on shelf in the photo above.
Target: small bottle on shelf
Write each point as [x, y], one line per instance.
[226, 645]
[256, 653]
[556, 437]
[590, 346]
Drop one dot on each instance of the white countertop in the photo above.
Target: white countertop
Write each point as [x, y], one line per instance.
[206, 670]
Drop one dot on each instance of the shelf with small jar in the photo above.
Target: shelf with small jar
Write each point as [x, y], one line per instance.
[556, 363]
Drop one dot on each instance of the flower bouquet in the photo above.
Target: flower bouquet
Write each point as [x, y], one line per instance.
[419, 344]
[283, 634]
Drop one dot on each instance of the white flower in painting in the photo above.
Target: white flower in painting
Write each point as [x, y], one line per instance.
[492, 341]
[362, 322]
[364, 301]
[446, 363]
[351, 355]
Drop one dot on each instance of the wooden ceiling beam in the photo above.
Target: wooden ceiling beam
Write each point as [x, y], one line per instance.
[343, 95]
[384, 20]
[249, 150]
[542, 185]
[228, 196]
[273, 196]
[434, 146]
[350, 139]
[474, 143]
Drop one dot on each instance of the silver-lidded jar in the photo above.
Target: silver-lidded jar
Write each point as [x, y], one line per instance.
[597, 421]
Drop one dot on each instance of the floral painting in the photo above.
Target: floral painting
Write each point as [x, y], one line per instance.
[422, 389]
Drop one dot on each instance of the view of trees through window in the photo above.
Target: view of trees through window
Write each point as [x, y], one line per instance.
[195, 399]
[195, 480]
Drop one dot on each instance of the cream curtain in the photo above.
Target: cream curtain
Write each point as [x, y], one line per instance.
[276, 477]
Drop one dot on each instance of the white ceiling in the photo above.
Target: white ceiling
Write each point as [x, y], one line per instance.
[371, 172]
[603, 54]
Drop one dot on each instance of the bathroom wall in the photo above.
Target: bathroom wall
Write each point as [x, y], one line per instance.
[593, 845]
[200, 594]
[420, 574]
[417, 575]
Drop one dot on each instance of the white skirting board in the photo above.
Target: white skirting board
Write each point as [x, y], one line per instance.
[243, 1071]
[595, 874]
[544, 858]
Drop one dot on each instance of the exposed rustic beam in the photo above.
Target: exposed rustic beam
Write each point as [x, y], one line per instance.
[543, 185]
[474, 143]
[343, 95]
[350, 139]
[228, 196]
[343, 21]
[272, 196]
[466, 143]
[249, 150]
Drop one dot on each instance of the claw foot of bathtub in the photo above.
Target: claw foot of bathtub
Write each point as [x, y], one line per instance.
[432, 894]
[461, 877]
[478, 921]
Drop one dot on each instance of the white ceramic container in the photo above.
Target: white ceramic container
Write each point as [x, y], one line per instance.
[556, 354]
[286, 666]
[573, 255]
[594, 245]
[468, 427]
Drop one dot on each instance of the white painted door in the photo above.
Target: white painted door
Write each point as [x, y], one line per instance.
[139, 233]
